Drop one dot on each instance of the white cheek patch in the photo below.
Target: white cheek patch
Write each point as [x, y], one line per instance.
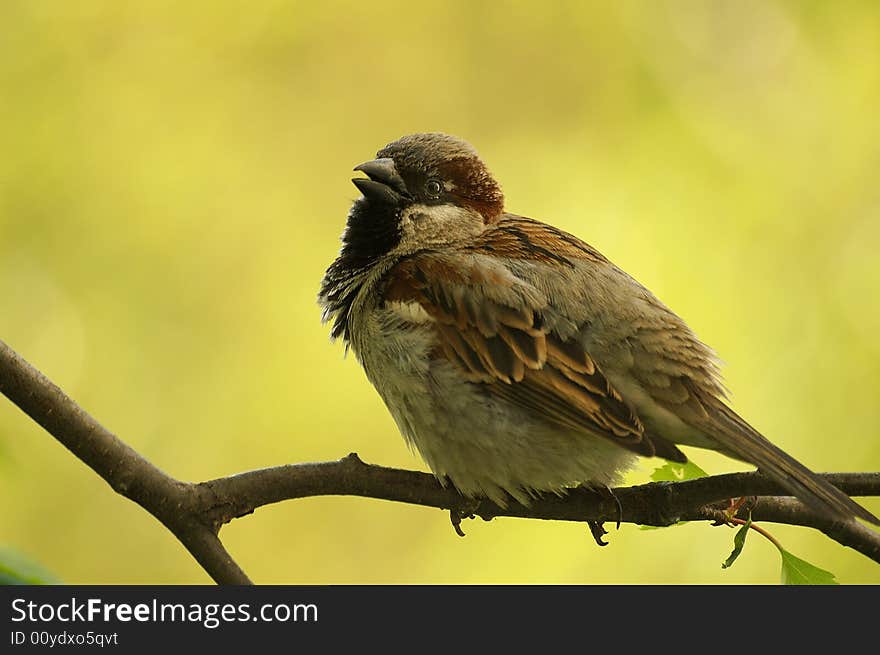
[442, 214]
[430, 225]
[411, 312]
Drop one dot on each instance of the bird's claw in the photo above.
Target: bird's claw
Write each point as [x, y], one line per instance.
[619, 507]
[598, 531]
[597, 528]
[605, 492]
[458, 514]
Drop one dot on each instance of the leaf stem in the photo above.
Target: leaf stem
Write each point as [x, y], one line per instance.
[759, 530]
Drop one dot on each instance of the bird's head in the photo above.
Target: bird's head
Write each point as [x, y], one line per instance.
[421, 191]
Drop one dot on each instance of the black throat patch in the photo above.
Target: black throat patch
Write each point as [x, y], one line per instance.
[370, 233]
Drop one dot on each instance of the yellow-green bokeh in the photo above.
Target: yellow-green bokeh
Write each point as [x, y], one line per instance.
[174, 178]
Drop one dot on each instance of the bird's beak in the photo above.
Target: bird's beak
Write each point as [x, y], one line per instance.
[384, 184]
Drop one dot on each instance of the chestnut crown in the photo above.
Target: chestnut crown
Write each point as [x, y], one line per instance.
[431, 169]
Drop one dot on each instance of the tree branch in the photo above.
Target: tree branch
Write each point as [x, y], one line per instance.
[195, 512]
[656, 504]
[174, 503]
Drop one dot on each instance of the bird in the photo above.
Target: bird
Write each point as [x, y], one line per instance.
[514, 357]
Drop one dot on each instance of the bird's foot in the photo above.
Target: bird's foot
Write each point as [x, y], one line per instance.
[617, 504]
[467, 510]
[605, 493]
[597, 528]
[598, 531]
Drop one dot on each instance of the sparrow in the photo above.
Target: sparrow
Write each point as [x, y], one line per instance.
[514, 357]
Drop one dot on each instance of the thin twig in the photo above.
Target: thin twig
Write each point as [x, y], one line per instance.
[757, 528]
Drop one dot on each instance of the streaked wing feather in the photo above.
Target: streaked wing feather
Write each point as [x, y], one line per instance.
[499, 322]
[493, 333]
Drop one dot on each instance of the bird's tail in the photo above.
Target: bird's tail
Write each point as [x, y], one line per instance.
[733, 434]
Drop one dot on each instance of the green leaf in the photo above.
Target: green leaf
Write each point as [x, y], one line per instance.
[796, 571]
[675, 472]
[16, 568]
[739, 540]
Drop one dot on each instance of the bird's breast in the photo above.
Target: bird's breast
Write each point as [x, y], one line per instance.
[393, 343]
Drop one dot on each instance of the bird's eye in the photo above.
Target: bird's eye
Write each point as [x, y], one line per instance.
[433, 187]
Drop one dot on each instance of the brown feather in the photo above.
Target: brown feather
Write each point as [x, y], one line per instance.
[530, 349]
[571, 355]
[524, 238]
[665, 448]
[739, 439]
[498, 344]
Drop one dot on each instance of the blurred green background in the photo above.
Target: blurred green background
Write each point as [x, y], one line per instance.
[174, 178]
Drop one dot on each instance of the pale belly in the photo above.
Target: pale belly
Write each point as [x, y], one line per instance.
[484, 445]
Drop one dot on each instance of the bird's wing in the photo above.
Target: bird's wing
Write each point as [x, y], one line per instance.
[490, 323]
[656, 349]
